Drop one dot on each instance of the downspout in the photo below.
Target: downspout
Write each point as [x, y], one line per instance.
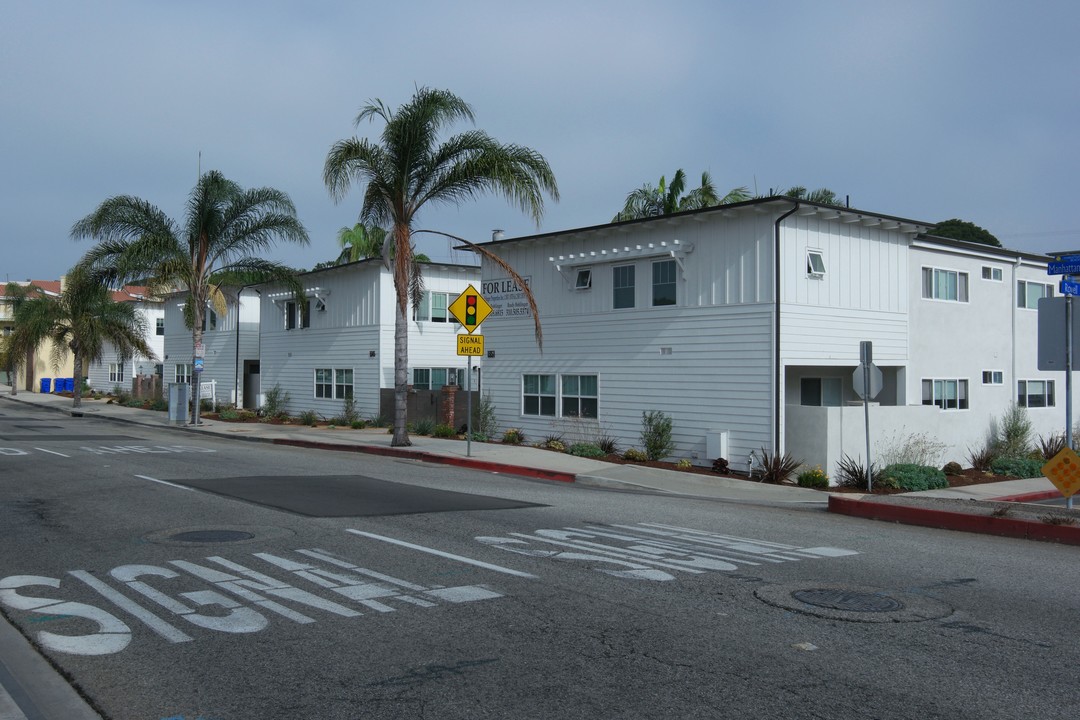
[776, 330]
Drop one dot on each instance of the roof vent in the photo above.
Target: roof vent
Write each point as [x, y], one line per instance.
[497, 234]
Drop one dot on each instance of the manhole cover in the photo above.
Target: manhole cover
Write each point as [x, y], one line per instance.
[211, 536]
[853, 603]
[848, 600]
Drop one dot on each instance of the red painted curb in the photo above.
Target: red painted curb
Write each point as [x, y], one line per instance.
[1028, 497]
[925, 517]
[485, 465]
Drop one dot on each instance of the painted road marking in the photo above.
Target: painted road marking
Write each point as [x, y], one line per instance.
[440, 553]
[115, 450]
[51, 452]
[163, 482]
[232, 597]
[647, 550]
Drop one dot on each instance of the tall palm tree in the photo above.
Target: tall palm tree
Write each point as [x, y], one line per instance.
[407, 169]
[11, 357]
[82, 319]
[225, 231]
[663, 199]
[825, 196]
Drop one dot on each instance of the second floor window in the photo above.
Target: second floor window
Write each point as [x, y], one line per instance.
[940, 284]
[663, 282]
[434, 308]
[1028, 294]
[622, 283]
[160, 323]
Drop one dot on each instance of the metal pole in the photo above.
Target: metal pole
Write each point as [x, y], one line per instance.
[866, 416]
[1068, 380]
[468, 402]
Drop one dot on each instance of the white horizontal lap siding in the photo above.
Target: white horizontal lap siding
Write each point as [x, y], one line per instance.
[718, 375]
[289, 360]
[819, 334]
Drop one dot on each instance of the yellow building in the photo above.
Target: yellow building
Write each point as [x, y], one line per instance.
[38, 364]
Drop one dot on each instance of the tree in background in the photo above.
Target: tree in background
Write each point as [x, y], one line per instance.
[12, 358]
[408, 168]
[82, 319]
[824, 196]
[663, 199]
[360, 242]
[226, 231]
[962, 230]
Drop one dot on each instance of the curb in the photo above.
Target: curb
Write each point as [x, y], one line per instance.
[964, 522]
[1028, 497]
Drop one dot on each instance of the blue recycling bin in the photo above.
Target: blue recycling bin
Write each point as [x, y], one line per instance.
[46, 385]
[69, 384]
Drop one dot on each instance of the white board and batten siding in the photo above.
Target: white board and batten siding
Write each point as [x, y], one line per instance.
[98, 377]
[351, 328]
[706, 362]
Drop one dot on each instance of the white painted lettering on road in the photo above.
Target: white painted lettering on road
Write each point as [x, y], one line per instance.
[440, 553]
[12, 451]
[112, 634]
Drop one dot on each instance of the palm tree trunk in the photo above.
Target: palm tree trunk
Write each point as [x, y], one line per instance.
[77, 368]
[401, 377]
[196, 340]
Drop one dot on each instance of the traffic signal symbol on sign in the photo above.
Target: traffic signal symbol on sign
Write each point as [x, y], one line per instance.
[470, 309]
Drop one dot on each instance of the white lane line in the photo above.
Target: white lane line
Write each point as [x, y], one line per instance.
[151, 620]
[163, 482]
[51, 452]
[440, 553]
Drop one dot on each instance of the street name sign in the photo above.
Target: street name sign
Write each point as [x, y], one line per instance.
[1070, 266]
[472, 345]
[470, 308]
[1069, 287]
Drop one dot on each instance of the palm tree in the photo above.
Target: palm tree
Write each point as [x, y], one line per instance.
[408, 168]
[82, 319]
[359, 242]
[824, 196]
[225, 231]
[664, 199]
[13, 358]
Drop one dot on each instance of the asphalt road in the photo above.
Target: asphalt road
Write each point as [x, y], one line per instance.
[173, 575]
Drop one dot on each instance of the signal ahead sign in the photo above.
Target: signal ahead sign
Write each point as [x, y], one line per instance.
[470, 345]
[470, 308]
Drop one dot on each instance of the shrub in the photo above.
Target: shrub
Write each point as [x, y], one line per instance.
[424, 426]
[912, 477]
[813, 478]
[309, 418]
[720, 465]
[159, 404]
[554, 438]
[274, 402]
[133, 403]
[358, 424]
[608, 444]
[852, 473]
[587, 450]
[776, 469]
[484, 421]
[442, 430]
[981, 458]
[1014, 433]
[916, 449]
[684, 464]
[479, 437]
[1051, 446]
[513, 436]
[952, 468]
[229, 412]
[556, 445]
[656, 434]
[1021, 467]
[206, 404]
[348, 412]
[246, 415]
[635, 455]
[378, 421]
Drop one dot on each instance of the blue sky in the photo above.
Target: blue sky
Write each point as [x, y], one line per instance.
[924, 110]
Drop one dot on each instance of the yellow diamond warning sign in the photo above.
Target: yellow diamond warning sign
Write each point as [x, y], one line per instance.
[1064, 471]
[470, 345]
[470, 308]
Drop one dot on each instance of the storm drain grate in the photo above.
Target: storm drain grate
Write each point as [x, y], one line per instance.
[211, 536]
[848, 601]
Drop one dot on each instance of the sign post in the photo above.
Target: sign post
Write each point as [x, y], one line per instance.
[867, 382]
[1067, 265]
[470, 308]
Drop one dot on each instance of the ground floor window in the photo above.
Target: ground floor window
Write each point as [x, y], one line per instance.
[436, 378]
[333, 383]
[819, 392]
[183, 373]
[946, 394]
[116, 372]
[568, 395]
[1035, 393]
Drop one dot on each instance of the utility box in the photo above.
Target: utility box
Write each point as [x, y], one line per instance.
[179, 397]
[716, 444]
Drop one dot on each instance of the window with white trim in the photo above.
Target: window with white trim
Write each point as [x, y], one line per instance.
[663, 282]
[116, 372]
[1028, 294]
[538, 395]
[993, 377]
[1035, 393]
[182, 373]
[160, 326]
[938, 284]
[821, 392]
[434, 307]
[622, 286]
[579, 396]
[333, 383]
[209, 318]
[436, 378]
[584, 280]
[991, 273]
[948, 394]
[815, 263]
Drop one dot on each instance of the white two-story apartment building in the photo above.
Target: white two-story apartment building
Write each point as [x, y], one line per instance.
[115, 371]
[743, 324]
